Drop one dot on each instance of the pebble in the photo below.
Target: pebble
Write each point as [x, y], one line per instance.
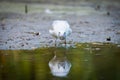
[108, 13]
[108, 39]
[37, 33]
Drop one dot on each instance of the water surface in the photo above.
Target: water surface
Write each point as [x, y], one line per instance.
[96, 61]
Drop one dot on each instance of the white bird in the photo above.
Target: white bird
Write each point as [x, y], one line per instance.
[61, 29]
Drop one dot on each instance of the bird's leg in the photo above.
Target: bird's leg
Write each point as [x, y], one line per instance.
[65, 42]
[64, 37]
[56, 42]
[59, 38]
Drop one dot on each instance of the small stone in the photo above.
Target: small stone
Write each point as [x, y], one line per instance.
[26, 43]
[86, 22]
[3, 28]
[97, 7]
[50, 41]
[108, 13]
[37, 33]
[118, 32]
[22, 45]
[10, 46]
[108, 39]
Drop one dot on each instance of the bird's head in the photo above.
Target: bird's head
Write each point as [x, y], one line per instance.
[62, 35]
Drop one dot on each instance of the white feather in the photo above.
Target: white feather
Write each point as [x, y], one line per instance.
[61, 29]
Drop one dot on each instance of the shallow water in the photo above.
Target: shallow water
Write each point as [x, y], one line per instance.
[95, 61]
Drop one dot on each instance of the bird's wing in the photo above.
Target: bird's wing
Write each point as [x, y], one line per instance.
[68, 32]
[60, 25]
[53, 33]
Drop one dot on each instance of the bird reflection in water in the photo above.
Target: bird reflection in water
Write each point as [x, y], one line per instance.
[59, 65]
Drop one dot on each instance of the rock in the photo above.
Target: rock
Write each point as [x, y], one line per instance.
[108, 39]
[108, 13]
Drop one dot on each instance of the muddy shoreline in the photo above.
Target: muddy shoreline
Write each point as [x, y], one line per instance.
[29, 31]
